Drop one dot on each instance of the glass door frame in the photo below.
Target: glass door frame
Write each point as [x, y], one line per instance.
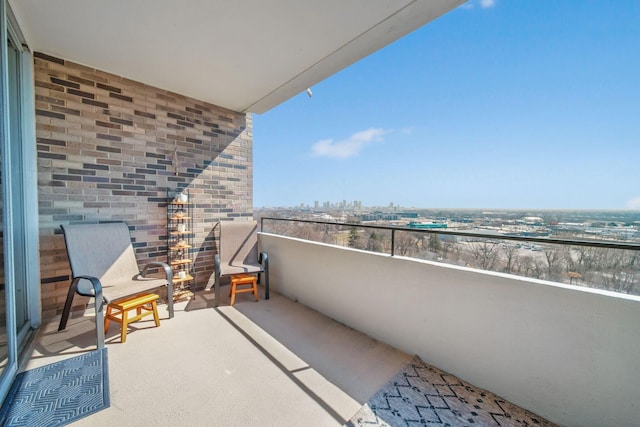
[19, 193]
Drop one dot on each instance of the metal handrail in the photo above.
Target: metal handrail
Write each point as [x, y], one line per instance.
[548, 240]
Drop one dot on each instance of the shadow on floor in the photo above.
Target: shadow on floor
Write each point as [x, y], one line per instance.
[356, 363]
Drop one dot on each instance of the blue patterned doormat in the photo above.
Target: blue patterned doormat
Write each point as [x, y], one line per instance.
[59, 393]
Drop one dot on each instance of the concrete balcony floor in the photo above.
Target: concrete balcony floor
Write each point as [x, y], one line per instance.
[272, 363]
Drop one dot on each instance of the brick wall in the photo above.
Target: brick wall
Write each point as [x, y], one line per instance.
[110, 148]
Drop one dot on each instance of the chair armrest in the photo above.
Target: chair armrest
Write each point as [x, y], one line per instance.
[263, 259]
[167, 270]
[96, 286]
[169, 275]
[216, 261]
[216, 283]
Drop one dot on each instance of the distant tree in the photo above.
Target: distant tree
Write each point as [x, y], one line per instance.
[284, 228]
[354, 238]
[509, 252]
[539, 268]
[553, 256]
[308, 232]
[385, 242]
[452, 251]
[405, 244]
[529, 266]
[521, 265]
[327, 235]
[374, 243]
[485, 254]
[615, 270]
[587, 258]
[434, 243]
[619, 281]
[570, 263]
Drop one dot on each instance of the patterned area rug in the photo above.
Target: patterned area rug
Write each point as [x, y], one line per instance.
[59, 393]
[423, 395]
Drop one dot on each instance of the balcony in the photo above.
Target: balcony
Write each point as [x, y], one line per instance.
[568, 354]
[116, 126]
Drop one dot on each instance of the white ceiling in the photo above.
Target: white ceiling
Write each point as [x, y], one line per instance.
[244, 55]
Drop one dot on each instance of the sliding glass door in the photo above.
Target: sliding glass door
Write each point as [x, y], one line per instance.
[17, 190]
[4, 340]
[19, 287]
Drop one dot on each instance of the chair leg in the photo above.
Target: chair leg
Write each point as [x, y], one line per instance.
[67, 305]
[124, 326]
[107, 320]
[99, 320]
[266, 276]
[154, 307]
[233, 293]
[170, 299]
[217, 286]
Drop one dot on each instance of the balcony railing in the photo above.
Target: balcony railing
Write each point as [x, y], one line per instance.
[608, 265]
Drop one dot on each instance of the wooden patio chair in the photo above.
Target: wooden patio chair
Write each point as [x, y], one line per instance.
[104, 267]
[238, 254]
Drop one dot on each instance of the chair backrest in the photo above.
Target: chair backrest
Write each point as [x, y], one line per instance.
[101, 250]
[238, 242]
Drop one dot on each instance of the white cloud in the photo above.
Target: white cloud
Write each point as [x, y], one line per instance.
[484, 4]
[349, 147]
[634, 203]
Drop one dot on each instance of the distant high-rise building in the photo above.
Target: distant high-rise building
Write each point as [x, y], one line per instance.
[316, 204]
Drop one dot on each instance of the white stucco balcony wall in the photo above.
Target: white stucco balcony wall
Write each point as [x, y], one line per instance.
[569, 354]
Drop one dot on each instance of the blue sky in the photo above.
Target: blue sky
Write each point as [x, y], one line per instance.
[515, 104]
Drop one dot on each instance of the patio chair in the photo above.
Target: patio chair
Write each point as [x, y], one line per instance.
[104, 267]
[238, 254]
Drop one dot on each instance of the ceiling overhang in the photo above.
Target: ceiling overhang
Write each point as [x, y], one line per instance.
[247, 55]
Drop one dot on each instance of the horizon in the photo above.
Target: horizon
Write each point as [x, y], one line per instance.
[630, 211]
[497, 104]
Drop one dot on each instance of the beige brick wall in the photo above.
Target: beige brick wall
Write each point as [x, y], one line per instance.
[110, 148]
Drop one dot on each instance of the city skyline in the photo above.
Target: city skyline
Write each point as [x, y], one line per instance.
[496, 105]
[321, 206]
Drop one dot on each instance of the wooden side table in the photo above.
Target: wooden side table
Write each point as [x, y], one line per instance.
[243, 280]
[118, 311]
